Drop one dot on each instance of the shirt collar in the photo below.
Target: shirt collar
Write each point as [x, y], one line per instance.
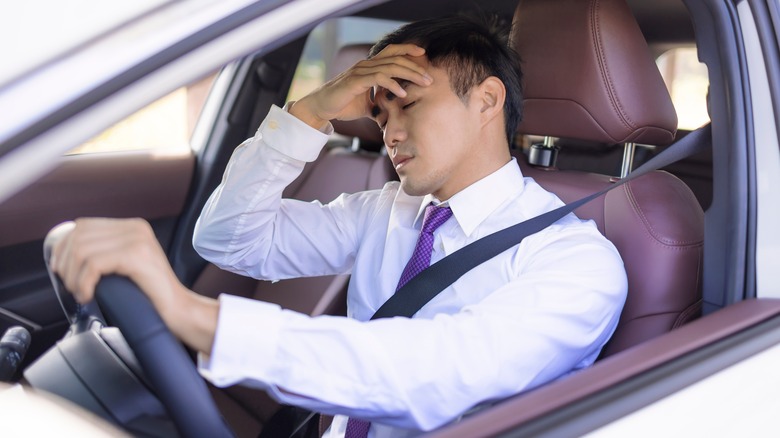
[488, 193]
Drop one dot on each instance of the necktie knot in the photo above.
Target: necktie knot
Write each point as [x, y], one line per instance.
[434, 217]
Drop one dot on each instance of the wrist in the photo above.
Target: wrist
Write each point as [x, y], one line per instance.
[303, 111]
[192, 318]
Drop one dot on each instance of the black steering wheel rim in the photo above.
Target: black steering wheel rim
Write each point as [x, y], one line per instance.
[164, 360]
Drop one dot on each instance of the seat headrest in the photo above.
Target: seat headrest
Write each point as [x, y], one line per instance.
[588, 73]
[364, 129]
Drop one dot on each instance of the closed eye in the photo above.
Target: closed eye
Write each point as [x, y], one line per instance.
[408, 105]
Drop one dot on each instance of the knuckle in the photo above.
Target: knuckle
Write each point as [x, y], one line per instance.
[77, 254]
[141, 227]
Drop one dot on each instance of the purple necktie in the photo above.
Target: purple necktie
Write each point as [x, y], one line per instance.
[421, 259]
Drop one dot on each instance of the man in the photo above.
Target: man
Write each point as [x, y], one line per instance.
[446, 94]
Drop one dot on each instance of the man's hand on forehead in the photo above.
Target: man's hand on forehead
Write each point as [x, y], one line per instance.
[376, 93]
[352, 94]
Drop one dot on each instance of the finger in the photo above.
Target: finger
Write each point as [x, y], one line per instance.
[392, 86]
[375, 82]
[400, 49]
[62, 260]
[78, 269]
[98, 261]
[65, 263]
[57, 260]
[394, 71]
[90, 251]
[400, 66]
[399, 60]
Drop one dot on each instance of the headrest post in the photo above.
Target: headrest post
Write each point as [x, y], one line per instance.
[543, 154]
[355, 144]
[628, 159]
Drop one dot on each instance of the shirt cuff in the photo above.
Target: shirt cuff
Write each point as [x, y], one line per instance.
[291, 136]
[327, 129]
[238, 352]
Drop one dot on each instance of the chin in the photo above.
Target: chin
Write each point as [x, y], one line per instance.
[414, 190]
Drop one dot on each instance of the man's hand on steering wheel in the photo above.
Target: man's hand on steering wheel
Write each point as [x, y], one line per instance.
[97, 247]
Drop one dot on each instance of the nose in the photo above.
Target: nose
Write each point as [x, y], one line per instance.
[395, 132]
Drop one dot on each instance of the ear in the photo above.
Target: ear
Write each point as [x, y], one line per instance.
[491, 94]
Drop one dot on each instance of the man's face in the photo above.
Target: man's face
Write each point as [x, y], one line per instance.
[431, 135]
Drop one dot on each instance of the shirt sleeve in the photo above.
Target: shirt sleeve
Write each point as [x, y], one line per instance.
[245, 225]
[422, 373]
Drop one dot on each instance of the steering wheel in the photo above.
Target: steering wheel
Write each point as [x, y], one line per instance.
[164, 360]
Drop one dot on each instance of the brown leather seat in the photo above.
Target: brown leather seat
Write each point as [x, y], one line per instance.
[589, 75]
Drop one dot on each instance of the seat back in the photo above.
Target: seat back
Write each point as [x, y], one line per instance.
[589, 75]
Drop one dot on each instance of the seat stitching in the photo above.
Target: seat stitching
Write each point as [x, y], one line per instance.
[689, 311]
[633, 133]
[648, 226]
[604, 69]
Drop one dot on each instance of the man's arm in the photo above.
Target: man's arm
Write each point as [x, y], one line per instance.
[420, 373]
[245, 227]
[98, 247]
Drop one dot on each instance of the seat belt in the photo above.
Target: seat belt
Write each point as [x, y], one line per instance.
[437, 277]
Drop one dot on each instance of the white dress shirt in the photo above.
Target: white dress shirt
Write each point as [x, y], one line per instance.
[537, 311]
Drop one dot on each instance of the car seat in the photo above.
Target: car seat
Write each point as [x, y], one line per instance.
[589, 75]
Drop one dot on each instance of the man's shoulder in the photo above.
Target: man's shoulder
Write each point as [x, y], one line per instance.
[537, 200]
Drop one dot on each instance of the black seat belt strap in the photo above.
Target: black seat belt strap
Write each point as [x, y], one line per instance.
[437, 277]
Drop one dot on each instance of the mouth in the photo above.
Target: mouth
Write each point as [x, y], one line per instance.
[400, 161]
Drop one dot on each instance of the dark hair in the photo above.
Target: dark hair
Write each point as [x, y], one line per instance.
[471, 49]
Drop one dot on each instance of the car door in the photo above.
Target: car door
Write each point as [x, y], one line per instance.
[146, 178]
[72, 94]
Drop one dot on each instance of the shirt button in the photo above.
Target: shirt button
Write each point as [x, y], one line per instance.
[273, 124]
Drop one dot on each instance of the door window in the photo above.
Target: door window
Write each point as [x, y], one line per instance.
[323, 43]
[165, 124]
[687, 81]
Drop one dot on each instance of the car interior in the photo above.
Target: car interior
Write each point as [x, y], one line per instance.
[596, 105]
